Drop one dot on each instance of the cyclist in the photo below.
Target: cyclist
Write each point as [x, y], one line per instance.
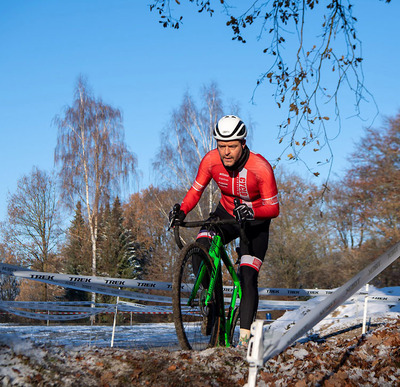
[239, 173]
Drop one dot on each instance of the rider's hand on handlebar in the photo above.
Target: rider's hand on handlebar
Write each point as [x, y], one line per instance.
[243, 212]
[176, 216]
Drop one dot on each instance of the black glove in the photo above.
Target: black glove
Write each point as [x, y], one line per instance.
[243, 212]
[176, 216]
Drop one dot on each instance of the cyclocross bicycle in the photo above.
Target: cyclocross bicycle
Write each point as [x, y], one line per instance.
[198, 302]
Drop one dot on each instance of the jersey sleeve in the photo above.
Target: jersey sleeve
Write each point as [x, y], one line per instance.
[196, 190]
[268, 191]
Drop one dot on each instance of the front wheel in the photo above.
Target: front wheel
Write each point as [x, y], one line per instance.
[197, 325]
[235, 330]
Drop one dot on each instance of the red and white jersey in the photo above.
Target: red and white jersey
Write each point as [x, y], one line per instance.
[254, 185]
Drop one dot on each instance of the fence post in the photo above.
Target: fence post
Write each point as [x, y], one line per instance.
[365, 310]
[114, 323]
[255, 351]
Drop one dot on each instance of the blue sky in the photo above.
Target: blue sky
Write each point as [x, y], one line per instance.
[134, 64]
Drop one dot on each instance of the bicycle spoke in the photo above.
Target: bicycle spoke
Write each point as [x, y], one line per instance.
[196, 324]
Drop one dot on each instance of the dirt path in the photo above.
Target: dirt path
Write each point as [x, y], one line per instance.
[341, 359]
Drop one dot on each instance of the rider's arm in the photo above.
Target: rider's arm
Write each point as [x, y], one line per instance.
[268, 192]
[269, 209]
[202, 179]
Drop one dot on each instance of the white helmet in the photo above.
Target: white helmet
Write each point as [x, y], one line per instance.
[230, 128]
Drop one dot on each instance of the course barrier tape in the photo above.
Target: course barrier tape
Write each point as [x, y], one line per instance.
[112, 291]
[73, 308]
[64, 307]
[87, 283]
[52, 317]
[45, 306]
[19, 271]
[22, 272]
[265, 305]
[65, 312]
[84, 283]
[129, 306]
[87, 287]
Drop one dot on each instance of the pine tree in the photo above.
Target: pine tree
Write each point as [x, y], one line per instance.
[77, 252]
[120, 255]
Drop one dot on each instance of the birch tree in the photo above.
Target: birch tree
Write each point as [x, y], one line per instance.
[93, 157]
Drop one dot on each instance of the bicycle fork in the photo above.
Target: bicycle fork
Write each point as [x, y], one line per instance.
[215, 255]
[237, 291]
[218, 252]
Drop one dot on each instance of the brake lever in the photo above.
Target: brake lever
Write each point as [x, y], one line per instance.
[242, 223]
[236, 202]
[175, 210]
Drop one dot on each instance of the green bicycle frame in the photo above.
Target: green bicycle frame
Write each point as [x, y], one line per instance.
[217, 253]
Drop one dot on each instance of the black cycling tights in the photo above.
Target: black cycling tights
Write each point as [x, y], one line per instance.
[249, 301]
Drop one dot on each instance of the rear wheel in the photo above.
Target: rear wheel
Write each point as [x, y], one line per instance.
[197, 326]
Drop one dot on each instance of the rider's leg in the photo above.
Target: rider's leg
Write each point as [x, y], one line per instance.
[249, 268]
[252, 255]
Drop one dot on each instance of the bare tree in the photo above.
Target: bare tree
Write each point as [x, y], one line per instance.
[33, 226]
[92, 154]
[185, 141]
[314, 55]
[374, 179]
[346, 214]
[145, 217]
[365, 203]
[299, 238]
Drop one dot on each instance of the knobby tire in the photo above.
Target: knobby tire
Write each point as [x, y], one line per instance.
[188, 320]
[234, 333]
